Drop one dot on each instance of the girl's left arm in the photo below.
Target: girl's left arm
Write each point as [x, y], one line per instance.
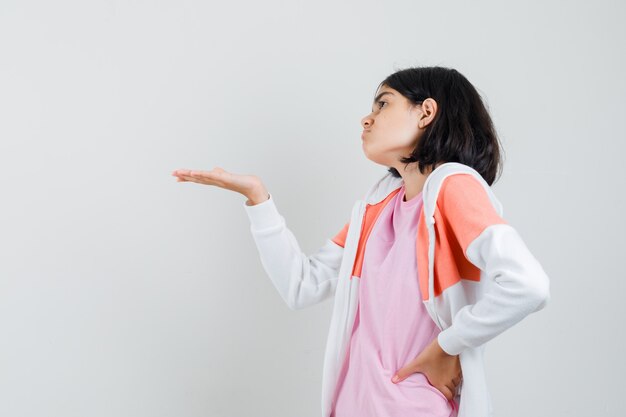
[516, 283]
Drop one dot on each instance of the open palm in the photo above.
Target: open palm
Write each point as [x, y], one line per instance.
[247, 184]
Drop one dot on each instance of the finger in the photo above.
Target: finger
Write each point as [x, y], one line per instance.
[451, 388]
[179, 172]
[210, 175]
[201, 172]
[401, 375]
[449, 394]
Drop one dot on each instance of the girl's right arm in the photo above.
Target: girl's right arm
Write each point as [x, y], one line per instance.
[301, 280]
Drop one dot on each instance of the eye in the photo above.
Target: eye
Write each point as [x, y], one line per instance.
[380, 102]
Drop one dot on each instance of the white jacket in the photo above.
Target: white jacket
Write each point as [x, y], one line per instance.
[483, 280]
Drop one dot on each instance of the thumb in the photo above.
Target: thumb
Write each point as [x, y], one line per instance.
[404, 372]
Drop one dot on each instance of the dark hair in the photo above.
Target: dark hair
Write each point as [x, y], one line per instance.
[462, 130]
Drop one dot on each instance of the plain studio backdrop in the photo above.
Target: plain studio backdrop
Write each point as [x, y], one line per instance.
[125, 293]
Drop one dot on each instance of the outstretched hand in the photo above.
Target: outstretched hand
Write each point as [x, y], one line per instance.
[442, 370]
[249, 185]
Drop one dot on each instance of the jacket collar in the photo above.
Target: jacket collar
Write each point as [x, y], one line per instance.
[388, 183]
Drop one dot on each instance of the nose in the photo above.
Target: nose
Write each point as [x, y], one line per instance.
[366, 122]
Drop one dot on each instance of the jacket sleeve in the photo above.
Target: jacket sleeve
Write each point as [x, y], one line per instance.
[516, 284]
[301, 280]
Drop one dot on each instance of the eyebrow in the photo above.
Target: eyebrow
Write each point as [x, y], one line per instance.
[381, 94]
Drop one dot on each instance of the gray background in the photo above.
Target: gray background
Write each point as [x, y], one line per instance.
[125, 293]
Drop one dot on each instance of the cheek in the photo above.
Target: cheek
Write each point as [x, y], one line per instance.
[406, 133]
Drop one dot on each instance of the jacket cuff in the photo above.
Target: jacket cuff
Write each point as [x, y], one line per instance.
[263, 215]
[450, 341]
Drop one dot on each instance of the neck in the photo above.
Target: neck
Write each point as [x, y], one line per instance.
[413, 180]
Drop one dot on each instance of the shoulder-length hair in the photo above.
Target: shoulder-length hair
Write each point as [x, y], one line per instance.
[462, 130]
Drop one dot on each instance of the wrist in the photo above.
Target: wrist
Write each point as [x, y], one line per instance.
[440, 350]
[257, 197]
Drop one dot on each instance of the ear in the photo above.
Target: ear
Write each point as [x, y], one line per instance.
[429, 110]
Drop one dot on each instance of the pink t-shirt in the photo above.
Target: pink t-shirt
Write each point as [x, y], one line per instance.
[391, 326]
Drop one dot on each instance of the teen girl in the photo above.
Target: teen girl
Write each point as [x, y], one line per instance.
[426, 270]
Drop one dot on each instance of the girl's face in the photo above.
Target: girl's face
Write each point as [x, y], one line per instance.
[393, 128]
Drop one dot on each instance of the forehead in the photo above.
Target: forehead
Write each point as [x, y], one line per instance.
[384, 91]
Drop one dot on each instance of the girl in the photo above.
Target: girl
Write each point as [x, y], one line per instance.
[387, 353]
